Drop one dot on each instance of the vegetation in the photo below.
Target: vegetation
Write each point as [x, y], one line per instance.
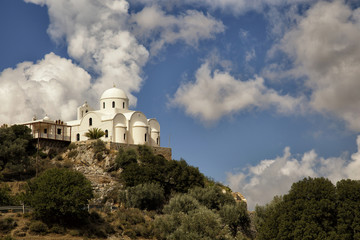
[145, 167]
[59, 195]
[94, 133]
[313, 209]
[15, 151]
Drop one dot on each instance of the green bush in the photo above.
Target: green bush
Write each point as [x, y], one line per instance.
[5, 197]
[72, 146]
[57, 229]
[211, 197]
[199, 224]
[145, 167]
[7, 224]
[59, 195]
[73, 153]
[149, 196]
[181, 203]
[236, 217]
[133, 223]
[38, 227]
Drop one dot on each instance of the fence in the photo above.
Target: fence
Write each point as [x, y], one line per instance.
[25, 209]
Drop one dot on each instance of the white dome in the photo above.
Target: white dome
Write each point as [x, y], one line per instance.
[114, 93]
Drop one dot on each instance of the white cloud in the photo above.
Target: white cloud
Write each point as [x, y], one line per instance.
[260, 183]
[160, 28]
[51, 86]
[231, 6]
[97, 35]
[216, 93]
[325, 49]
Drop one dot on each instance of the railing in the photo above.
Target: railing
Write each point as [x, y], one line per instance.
[14, 209]
[51, 136]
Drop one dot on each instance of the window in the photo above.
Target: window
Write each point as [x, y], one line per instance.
[124, 136]
[45, 130]
[123, 104]
[78, 137]
[90, 121]
[157, 141]
[59, 131]
[103, 104]
[106, 133]
[145, 136]
[113, 104]
[86, 111]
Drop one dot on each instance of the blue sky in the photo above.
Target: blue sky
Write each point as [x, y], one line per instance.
[257, 94]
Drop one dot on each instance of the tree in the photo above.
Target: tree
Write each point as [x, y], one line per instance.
[94, 133]
[235, 216]
[59, 195]
[211, 197]
[308, 211]
[147, 196]
[348, 209]
[15, 150]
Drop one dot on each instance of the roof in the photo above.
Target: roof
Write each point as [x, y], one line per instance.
[114, 93]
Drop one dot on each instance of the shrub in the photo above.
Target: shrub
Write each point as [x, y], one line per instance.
[38, 227]
[72, 146]
[7, 224]
[149, 196]
[235, 216]
[57, 229]
[98, 146]
[5, 198]
[211, 197]
[60, 195]
[73, 153]
[181, 203]
[199, 224]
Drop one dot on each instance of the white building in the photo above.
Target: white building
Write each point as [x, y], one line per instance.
[120, 124]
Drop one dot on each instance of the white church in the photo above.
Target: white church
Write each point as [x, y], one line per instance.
[120, 124]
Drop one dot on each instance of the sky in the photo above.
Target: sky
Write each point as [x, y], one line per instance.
[256, 94]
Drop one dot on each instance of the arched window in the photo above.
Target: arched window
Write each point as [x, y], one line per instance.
[106, 133]
[103, 104]
[124, 136]
[113, 104]
[78, 137]
[123, 104]
[145, 136]
[90, 121]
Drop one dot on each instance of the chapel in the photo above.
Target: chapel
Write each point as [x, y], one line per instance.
[120, 124]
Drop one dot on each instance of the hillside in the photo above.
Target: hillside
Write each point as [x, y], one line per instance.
[144, 192]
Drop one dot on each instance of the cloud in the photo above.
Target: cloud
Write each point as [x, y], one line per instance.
[160, 28]
[271, 177]
[231, 6]
[50, 86]
[325, 49]
[98, 37]
[216, 93]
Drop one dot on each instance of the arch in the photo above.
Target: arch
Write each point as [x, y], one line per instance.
[78, 137]
[90, 121]
[113, 104]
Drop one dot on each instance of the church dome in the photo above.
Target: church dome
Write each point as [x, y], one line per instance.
[114, 93]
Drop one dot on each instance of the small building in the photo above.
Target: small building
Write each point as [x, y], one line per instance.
[120, 124]
[49, 129]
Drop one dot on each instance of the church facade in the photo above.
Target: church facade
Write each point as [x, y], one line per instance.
[120, 124]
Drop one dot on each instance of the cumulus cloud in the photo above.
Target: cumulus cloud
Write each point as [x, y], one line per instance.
[190, 27]
[271, 177]
[325, 49]
[216, 93]
[97, 36]
[50, 86]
